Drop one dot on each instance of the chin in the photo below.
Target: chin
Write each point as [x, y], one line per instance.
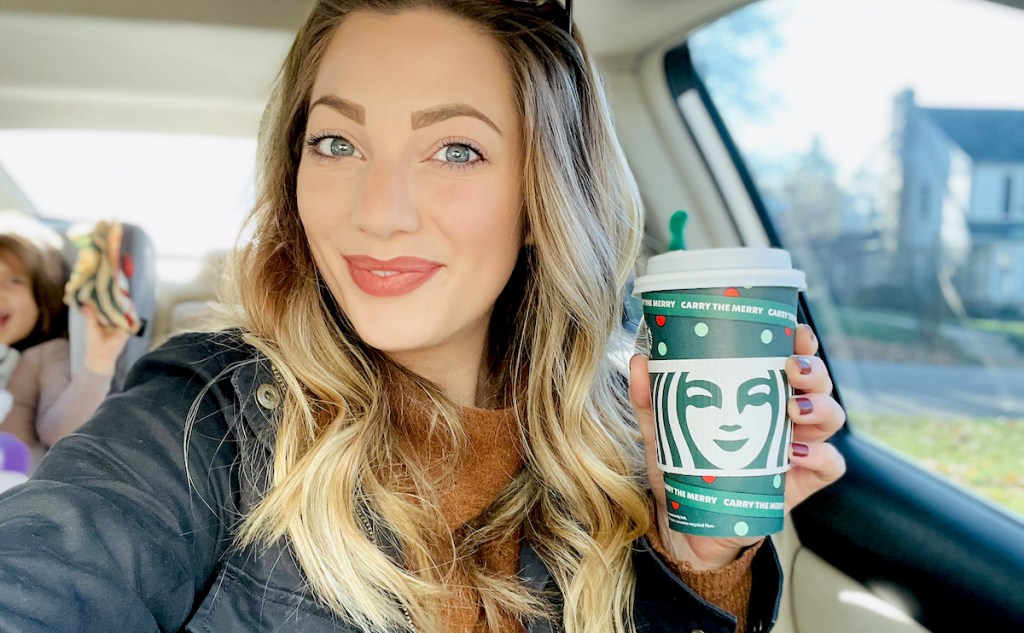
[385, 335]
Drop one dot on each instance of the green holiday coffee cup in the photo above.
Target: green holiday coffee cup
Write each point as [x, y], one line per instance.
[720, 325]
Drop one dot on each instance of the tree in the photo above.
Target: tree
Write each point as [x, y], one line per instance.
[728, 52]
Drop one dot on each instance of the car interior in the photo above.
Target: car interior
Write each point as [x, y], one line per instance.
[893, 547]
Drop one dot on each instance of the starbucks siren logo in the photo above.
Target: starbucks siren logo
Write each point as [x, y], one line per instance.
[721, 416]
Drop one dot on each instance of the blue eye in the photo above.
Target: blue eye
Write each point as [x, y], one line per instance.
[334, 147]
[458, 153]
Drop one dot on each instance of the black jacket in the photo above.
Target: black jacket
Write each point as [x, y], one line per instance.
[110, 535]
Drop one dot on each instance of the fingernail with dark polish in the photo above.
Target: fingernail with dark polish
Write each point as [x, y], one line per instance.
[805, 405]
[801, 450]
[805, 364]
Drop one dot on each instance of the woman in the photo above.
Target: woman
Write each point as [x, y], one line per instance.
[416, 424]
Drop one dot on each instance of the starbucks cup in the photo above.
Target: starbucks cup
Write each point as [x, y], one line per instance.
[720, 325]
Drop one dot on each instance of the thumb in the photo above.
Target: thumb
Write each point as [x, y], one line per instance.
[639, 384]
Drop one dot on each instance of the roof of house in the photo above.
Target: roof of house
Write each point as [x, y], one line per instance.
[985, 135]
[998, 231]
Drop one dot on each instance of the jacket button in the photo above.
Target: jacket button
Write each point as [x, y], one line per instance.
[268, 396]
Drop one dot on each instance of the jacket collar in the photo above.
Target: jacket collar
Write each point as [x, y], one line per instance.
[257, 390]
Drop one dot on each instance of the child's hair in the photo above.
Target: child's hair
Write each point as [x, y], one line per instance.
[27, 244]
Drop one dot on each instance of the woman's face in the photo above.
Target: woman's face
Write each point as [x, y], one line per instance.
[409, 186]
[18, 309]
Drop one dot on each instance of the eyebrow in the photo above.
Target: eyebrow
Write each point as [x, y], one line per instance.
[355, 112]
[440, 113]
[421, 118]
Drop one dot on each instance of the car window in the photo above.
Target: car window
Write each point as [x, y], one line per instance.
[190, 193]
[885, 141]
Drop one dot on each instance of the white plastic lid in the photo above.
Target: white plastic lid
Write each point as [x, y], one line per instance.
[718, 268]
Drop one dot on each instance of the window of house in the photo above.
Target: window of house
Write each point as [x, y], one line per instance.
[915, 262]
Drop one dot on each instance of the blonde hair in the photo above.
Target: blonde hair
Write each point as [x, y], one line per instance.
[340, 455]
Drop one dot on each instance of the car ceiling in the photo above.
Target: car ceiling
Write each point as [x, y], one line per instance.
[206, 66]
[201, 66]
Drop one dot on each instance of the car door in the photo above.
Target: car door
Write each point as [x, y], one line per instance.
[882, 143]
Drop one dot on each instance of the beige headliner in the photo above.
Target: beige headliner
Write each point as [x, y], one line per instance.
[205, 66]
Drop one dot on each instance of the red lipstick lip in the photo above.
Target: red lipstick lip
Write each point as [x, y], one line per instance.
[392, 277]
[396, 264]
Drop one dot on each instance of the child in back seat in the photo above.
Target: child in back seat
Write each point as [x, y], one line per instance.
[47, 402]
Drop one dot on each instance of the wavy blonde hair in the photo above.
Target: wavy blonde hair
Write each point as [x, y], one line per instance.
[341, 469]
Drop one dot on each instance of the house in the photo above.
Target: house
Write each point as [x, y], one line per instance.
[961, 203]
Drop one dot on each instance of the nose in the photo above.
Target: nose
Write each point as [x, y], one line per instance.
[385, 205]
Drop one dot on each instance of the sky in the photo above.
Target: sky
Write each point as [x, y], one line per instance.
[842, 61]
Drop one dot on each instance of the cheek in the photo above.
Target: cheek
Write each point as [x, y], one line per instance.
[308, 197]
[320, 204]
[26, 314]
[27, 304]
[485, 217]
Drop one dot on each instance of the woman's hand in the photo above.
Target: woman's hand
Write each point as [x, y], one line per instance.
[103, 344]
[815, 463]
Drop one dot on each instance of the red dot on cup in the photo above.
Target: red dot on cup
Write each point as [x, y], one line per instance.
[731, 292]
[675, 505]
[709, 479]
[789, 331]
[660, 320]
[128, 265]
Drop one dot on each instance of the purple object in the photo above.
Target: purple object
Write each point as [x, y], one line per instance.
[14, 454]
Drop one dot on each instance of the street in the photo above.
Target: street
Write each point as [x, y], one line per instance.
[930, 390]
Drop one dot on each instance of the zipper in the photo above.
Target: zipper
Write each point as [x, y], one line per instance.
[279, 381]
[370, 532]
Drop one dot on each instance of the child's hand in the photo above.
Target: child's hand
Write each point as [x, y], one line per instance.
[6, 402]
[103, 344]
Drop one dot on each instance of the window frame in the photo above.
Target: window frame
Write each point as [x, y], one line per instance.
[953, 557]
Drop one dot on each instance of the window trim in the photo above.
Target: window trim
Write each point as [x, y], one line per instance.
[889, 523]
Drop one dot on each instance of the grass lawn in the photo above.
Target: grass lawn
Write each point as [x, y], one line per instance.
[1007, 326]
[1013, 330]
[986, 456]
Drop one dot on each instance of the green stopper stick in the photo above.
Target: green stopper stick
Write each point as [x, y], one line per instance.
[676, 226]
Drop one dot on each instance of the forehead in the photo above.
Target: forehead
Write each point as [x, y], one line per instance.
[414, 59]
[9, 262]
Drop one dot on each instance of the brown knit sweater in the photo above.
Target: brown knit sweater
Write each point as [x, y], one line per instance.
[493, 457]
